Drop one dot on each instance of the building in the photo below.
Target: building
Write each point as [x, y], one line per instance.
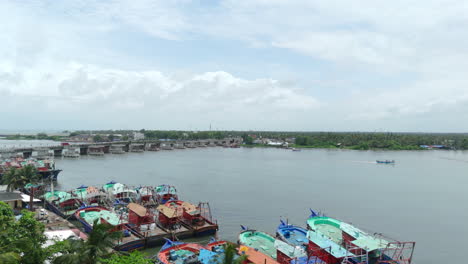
[13, 199]
[138, 136]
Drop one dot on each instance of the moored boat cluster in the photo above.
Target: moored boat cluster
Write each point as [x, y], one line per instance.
[325, 240]
[149, 216]
[146, 215]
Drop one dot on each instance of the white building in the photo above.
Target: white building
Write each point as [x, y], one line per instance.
[138, 136]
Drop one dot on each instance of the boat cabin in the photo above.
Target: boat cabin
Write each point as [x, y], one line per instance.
[139, 215]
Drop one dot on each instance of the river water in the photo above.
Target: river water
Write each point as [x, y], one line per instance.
[422, 198]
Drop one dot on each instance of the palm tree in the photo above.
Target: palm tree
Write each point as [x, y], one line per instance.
[29, 173]
[13, 179]
[230, 252]
[99, 244]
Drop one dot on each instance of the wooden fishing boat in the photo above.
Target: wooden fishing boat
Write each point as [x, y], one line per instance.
[131, 239]
[291, 234]
[164, 193]
[260, 241]
[196, 218]
[91, 195]
[335, 242]
[295, 252]
[255, 256]
[62, 203]
[183, 253]
[119, 192]
[143, 221]
[179, 253]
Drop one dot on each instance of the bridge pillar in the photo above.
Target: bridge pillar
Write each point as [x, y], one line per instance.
[106, 149]
[84, 150]
[57, 152]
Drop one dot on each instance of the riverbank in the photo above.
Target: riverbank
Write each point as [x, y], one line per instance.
[358, 147]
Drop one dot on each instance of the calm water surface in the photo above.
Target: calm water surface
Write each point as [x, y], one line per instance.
[422, 198]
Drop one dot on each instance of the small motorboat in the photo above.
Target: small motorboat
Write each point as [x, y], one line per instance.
[385, 161]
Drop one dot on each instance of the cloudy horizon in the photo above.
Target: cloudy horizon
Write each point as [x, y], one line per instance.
[274, 65]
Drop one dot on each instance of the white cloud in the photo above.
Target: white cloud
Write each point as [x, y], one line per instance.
[113, 93]
[410, 56]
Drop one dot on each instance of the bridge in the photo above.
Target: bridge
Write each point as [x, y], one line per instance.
[124, 146]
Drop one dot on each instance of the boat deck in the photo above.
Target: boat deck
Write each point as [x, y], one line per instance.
[296, 238]
[260, 241]
[332, 232]
[256, 256]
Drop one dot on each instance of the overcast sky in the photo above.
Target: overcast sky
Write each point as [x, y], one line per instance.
[327, 65]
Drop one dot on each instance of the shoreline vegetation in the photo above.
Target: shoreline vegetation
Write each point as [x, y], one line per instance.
[319, 140]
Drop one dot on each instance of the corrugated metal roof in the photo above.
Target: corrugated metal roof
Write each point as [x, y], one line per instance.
[10, 196]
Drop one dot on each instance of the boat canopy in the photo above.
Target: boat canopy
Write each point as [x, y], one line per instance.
[333, 228]
[108, 216]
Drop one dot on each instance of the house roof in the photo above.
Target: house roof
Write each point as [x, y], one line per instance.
[10, 196]
[138, 209]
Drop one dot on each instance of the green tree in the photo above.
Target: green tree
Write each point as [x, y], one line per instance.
[97, 138]
[13, 179]
[230, 252]
[111, 137]
[21, 241]
[42, 136]
[135, 257]
[92, 251]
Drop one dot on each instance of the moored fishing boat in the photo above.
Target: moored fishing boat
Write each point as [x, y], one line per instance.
[91, 195]
[62, 203]
[164, 193]
[179, 252]
[198, 219]
[256, 257]
[296, 238]
[131, 239]
[335, 241]
[45, 167]
[143, 221]
[260, 241]
[120, 192]
[293, 235]
[144, 194]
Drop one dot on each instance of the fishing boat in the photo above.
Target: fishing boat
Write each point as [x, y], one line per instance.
[291, 234]
[91, 195]
[131, 239]
[296, 238]
[143, 221]
[164, 193]
[184, 253]
[335, 242]
[180, 253]
[260, 241]
[62, 203]
[144, 194]
[198, 219]
[385, 161]
[45, 167]
[120, 192]
[255, 256]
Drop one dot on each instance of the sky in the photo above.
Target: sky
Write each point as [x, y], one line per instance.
[295, 65]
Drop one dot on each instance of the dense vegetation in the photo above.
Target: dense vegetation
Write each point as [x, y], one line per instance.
[352, 140]
[40, 136]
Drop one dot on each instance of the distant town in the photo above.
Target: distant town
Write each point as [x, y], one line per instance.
[348, 140]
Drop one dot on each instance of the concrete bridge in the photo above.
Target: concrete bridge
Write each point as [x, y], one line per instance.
[127, 146]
